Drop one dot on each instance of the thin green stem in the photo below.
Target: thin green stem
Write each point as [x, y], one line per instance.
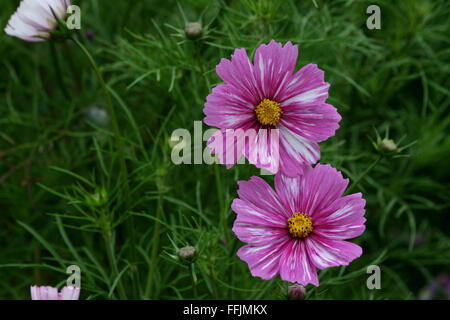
[120, 150]
[57, 65]
[194, 284]
[112, 114]
[216, 167]
[219, 194]
[155, 247]
[75, 70]
[365, 173]
[113, 263]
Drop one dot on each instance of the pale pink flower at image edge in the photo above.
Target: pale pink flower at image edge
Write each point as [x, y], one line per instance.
[50, 293]
[268, 95]
[33, 17]
[322, 220]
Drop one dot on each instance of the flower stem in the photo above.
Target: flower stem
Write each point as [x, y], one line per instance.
[75, 70]
[216, 167]
[194, 285]
[155, 247]
[58, 69]
[112, 114]
[219, 194]
[113, 263]
[120, 150]
[365, 173]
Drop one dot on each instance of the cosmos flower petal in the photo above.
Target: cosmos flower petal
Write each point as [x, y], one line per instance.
[341, 231]
[343, 211]
[295, 265]
[225, 109]
[307, 87]
[264, 260]
[325, 253]
[256, 226]
[296, 150]
[248, 213]
[34, 17]
[315, 122]
[70, 293]
[257, 235]
[257, 192]
[263, 151]
[50, 293]
[274, 66]
[223, 144]
[289, 189]
[323, 185]
[239, 73]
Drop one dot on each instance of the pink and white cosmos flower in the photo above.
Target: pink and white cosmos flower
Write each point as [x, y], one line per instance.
[50, 293]
[266, 96]
[300, 226]
[34, 18]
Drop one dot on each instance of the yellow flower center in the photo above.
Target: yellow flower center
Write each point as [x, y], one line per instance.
[300, 225]
[268, 112]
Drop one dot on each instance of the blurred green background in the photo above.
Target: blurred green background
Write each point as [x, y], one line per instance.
[61, 204]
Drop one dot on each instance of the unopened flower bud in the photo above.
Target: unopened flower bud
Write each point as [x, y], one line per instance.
[97, 199]
[388, 145]
[89, 33]
[98, 116]
[193, 30]
[186, 253]
[296, 292]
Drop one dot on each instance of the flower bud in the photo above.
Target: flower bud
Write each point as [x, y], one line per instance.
[98, 116]
[388, 145]
[186, 253]
[193, 30]
[97, 199]
[89, 33]
[296, 292]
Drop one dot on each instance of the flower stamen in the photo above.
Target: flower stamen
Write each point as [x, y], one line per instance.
[300, 225]
[268, 112]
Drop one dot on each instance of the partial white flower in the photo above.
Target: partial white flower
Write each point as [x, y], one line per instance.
[33, 18]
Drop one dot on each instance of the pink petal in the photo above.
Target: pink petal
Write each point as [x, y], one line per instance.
[348, 230]
[295, 265]
[34, 293]
[70, 293]
[315, 122]
[343, 211]
[257, 192]
[226, 110]
[289, 189]
[323, 185]
[294, 151]
[307, 87]
[263, 151]
[263, 261]
[229, 144]
[256, 226]
[274, 66]
[249, 213]
[239, 73]
[326, 253]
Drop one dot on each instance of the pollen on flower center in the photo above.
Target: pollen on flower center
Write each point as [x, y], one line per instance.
[300, 225]
[268, 112]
